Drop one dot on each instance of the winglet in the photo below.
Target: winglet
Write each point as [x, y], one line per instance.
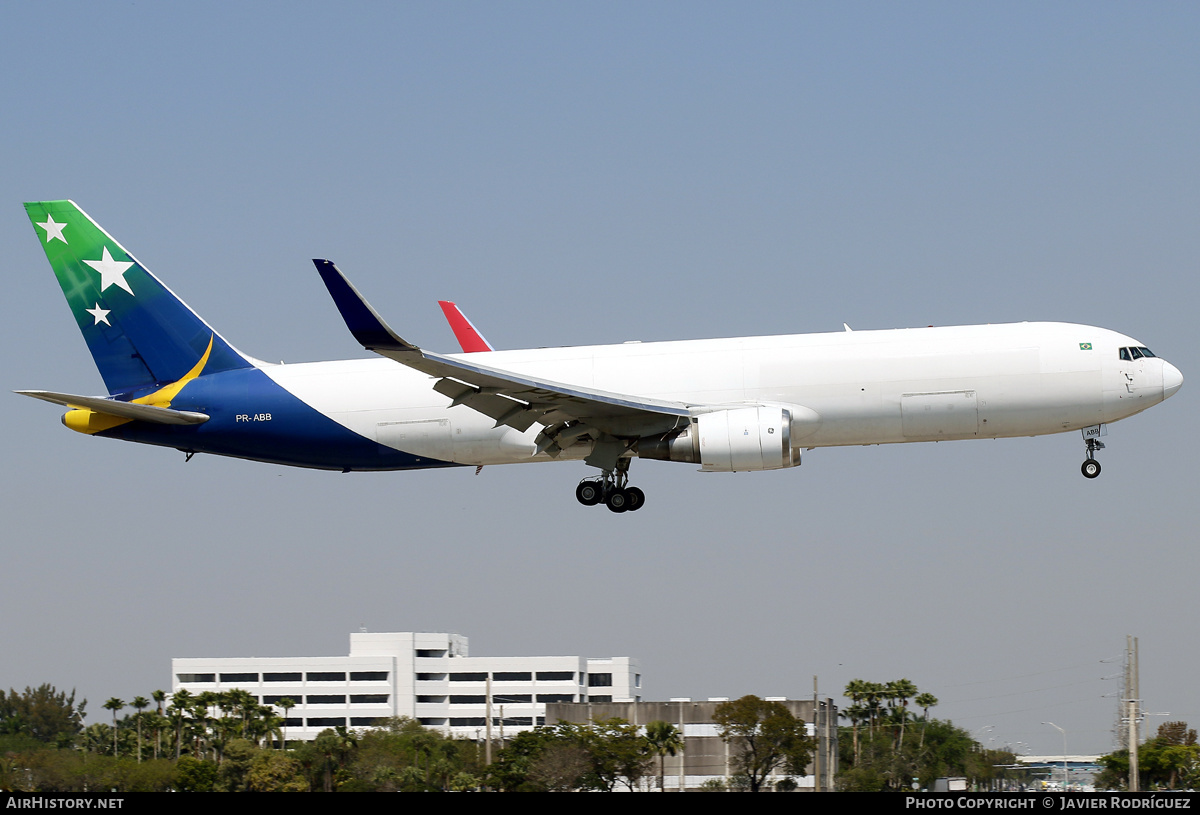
[465, 332]
[363, 321]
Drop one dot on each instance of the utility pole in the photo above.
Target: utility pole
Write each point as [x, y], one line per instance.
[817, 733]
[1132, 698]
[487, 753]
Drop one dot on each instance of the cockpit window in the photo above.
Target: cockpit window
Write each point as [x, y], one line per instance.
[1136, 352]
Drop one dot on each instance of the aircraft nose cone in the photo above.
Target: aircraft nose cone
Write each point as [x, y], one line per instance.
[1172, 379]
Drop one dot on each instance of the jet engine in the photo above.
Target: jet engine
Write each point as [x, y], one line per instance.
[730, 440]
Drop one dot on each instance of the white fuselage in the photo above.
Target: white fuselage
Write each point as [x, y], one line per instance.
[844, 388]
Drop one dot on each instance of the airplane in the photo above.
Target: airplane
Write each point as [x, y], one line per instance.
[727, 405]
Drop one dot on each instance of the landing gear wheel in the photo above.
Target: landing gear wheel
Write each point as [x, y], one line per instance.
[1090, 468]
[589, 493]
[636, 498]
[618, 501]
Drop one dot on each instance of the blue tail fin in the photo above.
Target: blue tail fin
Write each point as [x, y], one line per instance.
[140, 334]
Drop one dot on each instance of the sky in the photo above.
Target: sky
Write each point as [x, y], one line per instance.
[577, 174]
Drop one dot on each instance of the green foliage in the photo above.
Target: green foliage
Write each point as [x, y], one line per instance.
[1170, 760]
[566, 757]
[664, 739]
[195, 774]
[764, 736]
[43, 713]
[884, 758]
[885, 763]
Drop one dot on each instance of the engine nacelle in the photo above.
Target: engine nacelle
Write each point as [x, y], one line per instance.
[731, 440]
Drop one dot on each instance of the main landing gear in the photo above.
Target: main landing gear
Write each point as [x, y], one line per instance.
[612, 489]
[1091, 467]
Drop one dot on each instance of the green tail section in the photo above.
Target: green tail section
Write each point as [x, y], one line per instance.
[140, 334]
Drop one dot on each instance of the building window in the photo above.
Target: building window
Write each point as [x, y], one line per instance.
[275, 700]
[511, 698]
[600, 699]
[599, 680]
[327, 722]
[431, 653]
[555, 697]
[432, 700]
[369, 699]
[467, 700]
[239, 677]
[431, 677]
[512, 676]
[326, 676]
[467, 721]
[282, 677]
[196, 678]
[364, 721]
[556, 676]
[469, 677]
[637, 680]
[368, 676]
[327, 699]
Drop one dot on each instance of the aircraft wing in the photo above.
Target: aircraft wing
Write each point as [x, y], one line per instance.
[567, 412]
[122, 410]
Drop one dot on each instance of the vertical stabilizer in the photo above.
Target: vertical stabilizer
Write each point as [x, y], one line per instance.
[140, 334]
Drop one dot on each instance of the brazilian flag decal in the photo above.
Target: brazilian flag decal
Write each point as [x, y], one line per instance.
[1085, 346]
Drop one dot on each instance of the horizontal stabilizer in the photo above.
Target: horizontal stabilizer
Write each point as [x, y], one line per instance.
[122, 410]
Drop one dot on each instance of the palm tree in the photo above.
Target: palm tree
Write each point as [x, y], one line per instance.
[925, 701]
[899, 691]
[159, 696]
[266, 726]
[181, 701]
[114, 704]
[286, 703]
[856, 692]
[664, 740]
[139, 704]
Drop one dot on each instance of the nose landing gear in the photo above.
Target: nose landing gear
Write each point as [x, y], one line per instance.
[1091, 468]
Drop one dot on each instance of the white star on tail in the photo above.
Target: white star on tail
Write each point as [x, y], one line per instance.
[53, 230]
[111, 271]
[100, 314]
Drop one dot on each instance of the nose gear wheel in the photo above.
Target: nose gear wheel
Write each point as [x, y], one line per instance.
[1091, 468]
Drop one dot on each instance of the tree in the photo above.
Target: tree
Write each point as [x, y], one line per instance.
[139, 704]
[765, 735]
[925, 701]
[857, 691]
[619, 753]
[664, 740]
[898, 692]
[159, 696]
[44, 713]
[181, 702]
[114, 704]
[285, 704]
